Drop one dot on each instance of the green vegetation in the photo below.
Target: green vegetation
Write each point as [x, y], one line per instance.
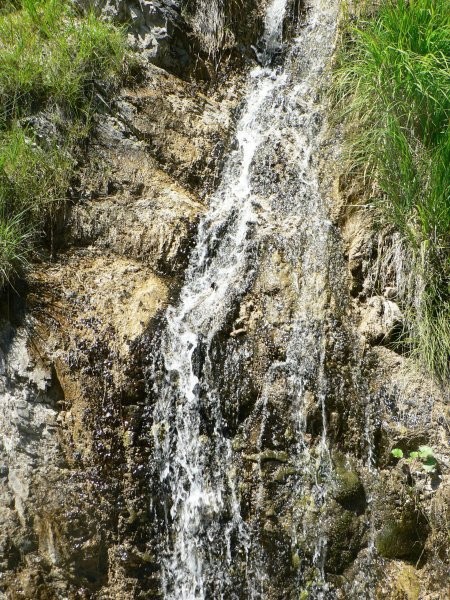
[424, 454]
[397, 453]
[51, 60]
[393, 90]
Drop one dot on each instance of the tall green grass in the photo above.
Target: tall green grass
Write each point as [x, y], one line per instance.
[392, 84]
[51, 60]
[47, 54]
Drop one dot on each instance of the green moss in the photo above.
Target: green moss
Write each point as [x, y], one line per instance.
[284, 472]
[407, 583]
[348, 482]
[346, 537]
[401, 538]
[268, 455]
[349, 491]
[296, 561]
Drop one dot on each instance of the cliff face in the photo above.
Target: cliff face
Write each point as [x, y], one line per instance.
[329, 510]
[74, 415]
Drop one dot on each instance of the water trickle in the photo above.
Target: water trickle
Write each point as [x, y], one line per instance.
[267, 202]
[209, 23]
[273, 34]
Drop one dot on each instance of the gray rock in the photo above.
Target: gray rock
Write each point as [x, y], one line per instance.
[156, 28]
[380, 318]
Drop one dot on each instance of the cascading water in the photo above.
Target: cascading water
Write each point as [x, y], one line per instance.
[268, 203]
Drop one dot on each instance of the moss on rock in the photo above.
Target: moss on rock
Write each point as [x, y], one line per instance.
[349, 491]
[346, 538]
[402, 538]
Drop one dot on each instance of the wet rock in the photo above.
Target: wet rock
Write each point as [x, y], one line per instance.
[402, 529]
[76, 432]
[267, 455]
[116, 299]
[357, 232]
[346, 537]
[156, 29]
[402, 583]
[349, 491]
[184, 130]
[27, 446]
[313, 413]
[381, 320]
[155, 230]
[402, 538]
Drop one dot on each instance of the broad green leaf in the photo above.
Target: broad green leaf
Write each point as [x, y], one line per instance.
[425, 451]
[430, 464]
[429, 468]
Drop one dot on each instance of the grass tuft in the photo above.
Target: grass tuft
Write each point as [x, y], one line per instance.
[51, 61]
[48, 54]
[392, 86]
[14, 249]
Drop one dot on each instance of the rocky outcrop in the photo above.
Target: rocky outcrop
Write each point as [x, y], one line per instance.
[157, 31]
[74, 450]
[74, 425]
[76, 347]
[407, 409]
[190, 37]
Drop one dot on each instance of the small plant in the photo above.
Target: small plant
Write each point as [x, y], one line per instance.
[397, 453]
[424, 454]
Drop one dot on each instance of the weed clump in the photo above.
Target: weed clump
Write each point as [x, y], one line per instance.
[51, 60]
[392, 85]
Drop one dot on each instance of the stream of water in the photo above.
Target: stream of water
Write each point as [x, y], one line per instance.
[208, 545]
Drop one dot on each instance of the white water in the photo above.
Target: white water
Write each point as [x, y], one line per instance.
[207, 539]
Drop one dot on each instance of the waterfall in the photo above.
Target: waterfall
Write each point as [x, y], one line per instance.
[209, 549]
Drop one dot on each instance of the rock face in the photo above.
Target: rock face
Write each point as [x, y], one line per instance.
[28, 425]
[156, 29]
[77, 503]
[74, 423]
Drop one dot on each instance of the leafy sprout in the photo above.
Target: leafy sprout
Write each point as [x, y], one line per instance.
[424, 454]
